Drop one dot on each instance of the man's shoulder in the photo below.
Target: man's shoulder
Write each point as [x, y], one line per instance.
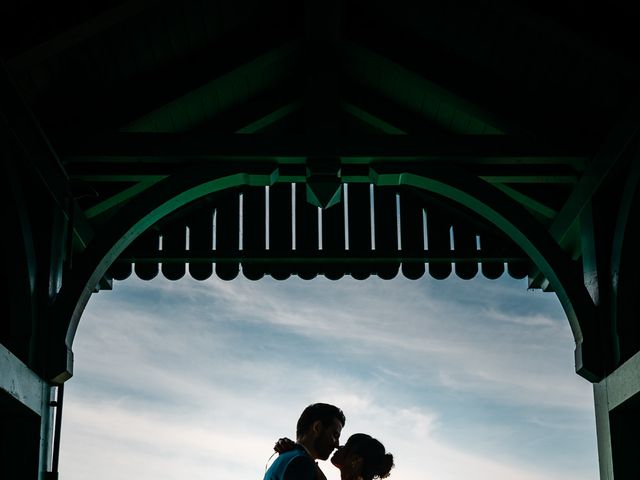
[300, 455]
[292, 465]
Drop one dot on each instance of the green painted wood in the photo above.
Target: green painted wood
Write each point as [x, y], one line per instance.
[517, 223]
[306, 232]
[359, 213]
[386, 229]
[606, 158]
[218, 95]
[625, 265]
[228, 233]
[411, 234]
[201, 240]
[333, 239]
[415, 92]
[438, 242]
[253, 229]
[280, 227]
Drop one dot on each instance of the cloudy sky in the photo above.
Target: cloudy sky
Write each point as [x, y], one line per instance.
[196, 380]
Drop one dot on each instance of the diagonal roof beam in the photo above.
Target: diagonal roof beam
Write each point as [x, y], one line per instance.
[380, 30]
[371, 120]
[219, 95]
[564, 226]
[380, 106]
[596, 172]
[126, 100]
[418, 94]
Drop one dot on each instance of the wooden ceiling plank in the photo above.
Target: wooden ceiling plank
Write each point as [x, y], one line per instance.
[78, 34]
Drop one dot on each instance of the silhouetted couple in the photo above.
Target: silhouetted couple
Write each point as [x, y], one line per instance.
[318, 434]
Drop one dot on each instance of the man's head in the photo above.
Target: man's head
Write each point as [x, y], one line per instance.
[319, 429]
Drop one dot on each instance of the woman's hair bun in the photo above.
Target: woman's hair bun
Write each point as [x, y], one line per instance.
[385, 466]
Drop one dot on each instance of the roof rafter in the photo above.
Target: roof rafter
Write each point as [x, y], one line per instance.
[491, 91]
[129, 99]
[389, 110]
[419, 94]
[220, 94]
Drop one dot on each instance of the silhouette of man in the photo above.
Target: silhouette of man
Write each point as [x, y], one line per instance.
[318, 434]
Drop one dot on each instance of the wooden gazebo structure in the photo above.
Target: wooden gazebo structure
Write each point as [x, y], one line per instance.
[316, 138]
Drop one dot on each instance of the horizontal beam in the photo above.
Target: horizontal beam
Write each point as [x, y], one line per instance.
[134, 147]
[20, 382]
[317, 257]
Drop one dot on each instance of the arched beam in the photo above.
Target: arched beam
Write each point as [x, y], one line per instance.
[479, 196]
[142, 212]
[564, 275]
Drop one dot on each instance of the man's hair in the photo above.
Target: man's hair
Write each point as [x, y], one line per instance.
[318, 411]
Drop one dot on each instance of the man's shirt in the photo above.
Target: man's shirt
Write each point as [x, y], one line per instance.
[295, 464]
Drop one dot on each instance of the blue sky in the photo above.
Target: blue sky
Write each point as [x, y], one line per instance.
[196, 380]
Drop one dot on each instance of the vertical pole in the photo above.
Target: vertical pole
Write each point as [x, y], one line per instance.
[46, 431]
[603, 430]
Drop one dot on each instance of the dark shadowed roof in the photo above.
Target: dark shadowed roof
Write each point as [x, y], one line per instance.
[528, 96]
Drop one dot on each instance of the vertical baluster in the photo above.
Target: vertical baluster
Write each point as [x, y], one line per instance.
[359, 208]
[439, 240]
[490, 247]
[333, 239]
[201, 243]
[227, 234]
[174, 245]
[147, 244]
[386, 230]
[280, 233]
[306, 232]
[411, 234]
[253, 230]
[464, 244]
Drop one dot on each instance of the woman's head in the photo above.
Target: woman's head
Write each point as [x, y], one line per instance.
[362, 456]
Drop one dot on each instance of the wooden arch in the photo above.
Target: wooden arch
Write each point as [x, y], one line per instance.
[180, 189]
